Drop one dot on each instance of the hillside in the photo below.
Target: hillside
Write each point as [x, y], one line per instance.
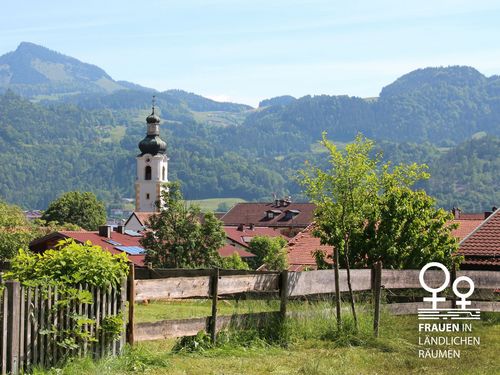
[88, 140]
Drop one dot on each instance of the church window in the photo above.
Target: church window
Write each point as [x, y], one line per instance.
[163, 174]
[147, 174]
[147, 196]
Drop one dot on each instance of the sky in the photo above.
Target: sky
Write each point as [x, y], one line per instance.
[247, 51]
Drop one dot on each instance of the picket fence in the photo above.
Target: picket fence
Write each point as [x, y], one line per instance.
[30, 318]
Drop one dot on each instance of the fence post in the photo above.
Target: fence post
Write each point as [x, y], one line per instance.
[376, 286]
[131, 304]
[13, 328]
[214, 292]
[283, 294]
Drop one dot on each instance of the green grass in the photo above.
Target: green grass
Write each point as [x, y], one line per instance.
[315, 347]
[183, 309]
[212, 203]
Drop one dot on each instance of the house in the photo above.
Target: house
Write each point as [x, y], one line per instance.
[481, 248]
[278, 214]
[121, 241]
[243, 234]
[138, 221]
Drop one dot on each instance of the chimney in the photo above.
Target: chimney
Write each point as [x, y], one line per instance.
[241, 227]
[251, 226]
[120, 229]
[487, 214]
[105, 231]
[456, 213]
[494, 208]
[282, 202]
[276, 203]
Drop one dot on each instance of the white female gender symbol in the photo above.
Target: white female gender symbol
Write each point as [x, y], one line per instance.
[435, 299]
[463, 297]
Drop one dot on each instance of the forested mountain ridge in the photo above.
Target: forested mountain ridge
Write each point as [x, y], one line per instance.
[87, 140]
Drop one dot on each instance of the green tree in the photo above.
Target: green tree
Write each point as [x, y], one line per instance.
[82, 209]
[177, 238]
[368, 212]
[234, 262]
[16, 231]
[271, 251]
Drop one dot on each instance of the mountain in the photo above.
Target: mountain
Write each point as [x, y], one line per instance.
[35, 70]
[61, 130]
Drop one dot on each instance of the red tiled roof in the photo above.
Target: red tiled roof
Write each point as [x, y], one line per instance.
[239, 236]
[471, 216]
[301, 249]
[256, 213]
[143, 217]
[465, 227]
[229, 250]
[483, 244]
[95, 239]
[485, 239]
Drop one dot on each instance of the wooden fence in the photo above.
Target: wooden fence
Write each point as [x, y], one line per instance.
[179, 284]
[32, 319]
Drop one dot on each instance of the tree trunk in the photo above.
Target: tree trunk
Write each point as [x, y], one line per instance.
[351, 295]
[337, 290]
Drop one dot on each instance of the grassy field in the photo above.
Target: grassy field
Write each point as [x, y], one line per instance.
[314, 347]
[212, 203]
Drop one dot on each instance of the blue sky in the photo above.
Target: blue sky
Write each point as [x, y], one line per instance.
[246, 51]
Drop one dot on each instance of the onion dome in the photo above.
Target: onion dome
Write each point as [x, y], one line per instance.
[153, 118]
[153, 144]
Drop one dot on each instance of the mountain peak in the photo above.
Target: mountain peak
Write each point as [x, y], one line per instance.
[33, 69]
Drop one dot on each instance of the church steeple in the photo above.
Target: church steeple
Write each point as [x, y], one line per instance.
[152, 143]
[152, 166]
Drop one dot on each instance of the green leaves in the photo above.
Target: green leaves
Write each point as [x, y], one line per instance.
[178, 238]
[82, 209]
[368, 211]
[270, 251]
[70, 264]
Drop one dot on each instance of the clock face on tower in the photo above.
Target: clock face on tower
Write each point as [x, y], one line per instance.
[148, 160]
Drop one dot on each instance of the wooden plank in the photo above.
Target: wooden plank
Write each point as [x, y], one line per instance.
[377, 280]
[14, 289]
[97, 302]
[402, 279]
[5, 314]
[28, 323]
[166, 329]
[283, 294]
[22, 327]
[483, 279]
[131, 304]
[155, 273]
[173, 288]
[323, 282]
[214, 290]
[248, 283]
[123, 311]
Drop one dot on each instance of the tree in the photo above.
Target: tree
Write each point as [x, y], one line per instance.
[82, 209]
[270, 251]
[177, 238]
[234, 262]
[16, 231]
[368, 212]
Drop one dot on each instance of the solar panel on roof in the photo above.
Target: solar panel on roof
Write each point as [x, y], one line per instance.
[133, 233]
[132, 250]
[113, 242]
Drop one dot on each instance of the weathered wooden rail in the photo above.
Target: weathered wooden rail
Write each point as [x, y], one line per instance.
[164, 285]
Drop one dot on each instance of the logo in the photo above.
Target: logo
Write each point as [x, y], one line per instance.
[463, 310]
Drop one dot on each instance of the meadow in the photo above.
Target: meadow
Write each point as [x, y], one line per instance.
[304, 345]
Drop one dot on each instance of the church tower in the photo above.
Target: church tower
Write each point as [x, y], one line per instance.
[152, 166]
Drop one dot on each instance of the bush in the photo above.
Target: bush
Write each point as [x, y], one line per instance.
[70, 264]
